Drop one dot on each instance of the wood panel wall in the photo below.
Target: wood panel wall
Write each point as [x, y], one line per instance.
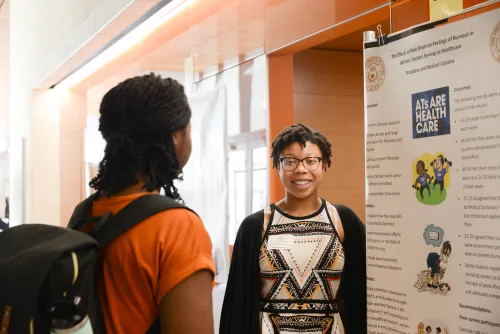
[407, 13]
[280, 111]
[328, 96]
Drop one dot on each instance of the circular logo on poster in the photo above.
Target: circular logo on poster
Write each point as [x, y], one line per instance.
[495, 42]
[375, 73]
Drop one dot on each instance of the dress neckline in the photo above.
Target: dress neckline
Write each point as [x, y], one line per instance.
[283, 213]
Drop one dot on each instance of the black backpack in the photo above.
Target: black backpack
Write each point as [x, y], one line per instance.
[41, 264]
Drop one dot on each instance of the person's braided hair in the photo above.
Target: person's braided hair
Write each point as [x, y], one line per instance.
[138, 119]
[299, 133]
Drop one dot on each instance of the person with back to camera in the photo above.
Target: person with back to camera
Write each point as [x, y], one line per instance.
[299, 265]
[163, 267]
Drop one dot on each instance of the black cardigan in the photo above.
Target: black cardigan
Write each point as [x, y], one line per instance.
[241, 307]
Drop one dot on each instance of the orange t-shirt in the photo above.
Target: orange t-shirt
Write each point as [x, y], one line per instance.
[145, 263]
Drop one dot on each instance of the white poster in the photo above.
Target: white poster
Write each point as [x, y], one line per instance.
[204, 188]
[433, 167]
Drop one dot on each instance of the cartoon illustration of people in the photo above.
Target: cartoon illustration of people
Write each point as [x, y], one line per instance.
[436, 263]
[423, 179]
[427, 328]
[431, 278]
[438, 166]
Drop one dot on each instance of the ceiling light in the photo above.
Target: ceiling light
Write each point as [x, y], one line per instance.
[170, 10]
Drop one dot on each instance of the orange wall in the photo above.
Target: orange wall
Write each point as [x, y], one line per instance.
[328, 94]
[470, 3]
[290, 20]
[280, 110]
[407, 13]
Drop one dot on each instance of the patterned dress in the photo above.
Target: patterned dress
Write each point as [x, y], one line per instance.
[301, 263]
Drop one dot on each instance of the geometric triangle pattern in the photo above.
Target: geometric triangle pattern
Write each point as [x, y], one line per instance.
[300, 279]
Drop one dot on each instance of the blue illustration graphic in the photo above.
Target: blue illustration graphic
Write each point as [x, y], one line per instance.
[431, 113]
[433, 235]
[431, 279]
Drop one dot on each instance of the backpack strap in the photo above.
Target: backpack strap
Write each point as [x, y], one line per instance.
[111, 227]
[82, 214]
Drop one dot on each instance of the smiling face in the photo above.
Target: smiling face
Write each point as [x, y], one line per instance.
[439, 163]
[301, 182]
[420, 169]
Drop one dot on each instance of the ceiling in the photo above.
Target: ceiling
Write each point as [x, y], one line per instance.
[211, 31]
[236, 29]
[352, 41]
[217, 33]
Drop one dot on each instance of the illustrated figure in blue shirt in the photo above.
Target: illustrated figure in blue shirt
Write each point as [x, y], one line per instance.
[436, 265]
[440, 171]
[423, 179]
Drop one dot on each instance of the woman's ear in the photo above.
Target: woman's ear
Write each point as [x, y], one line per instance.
[176, 136]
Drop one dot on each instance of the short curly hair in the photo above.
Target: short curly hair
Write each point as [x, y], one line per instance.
[138, 119]
[299, 133]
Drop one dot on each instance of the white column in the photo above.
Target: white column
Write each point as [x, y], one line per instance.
[42, 159]
[71, 164]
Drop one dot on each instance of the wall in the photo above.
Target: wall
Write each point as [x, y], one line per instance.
[281, 106]
[72, 123]
[4, 69]
[39, 44]
[247, 94]
[4, 172]
[328, 96]
[308, 19]
[408, 13]
[42, 161]
[4, 104]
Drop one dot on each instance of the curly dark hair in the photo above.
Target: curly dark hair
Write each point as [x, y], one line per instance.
[299, 133]
[421, 163]
[138, 119]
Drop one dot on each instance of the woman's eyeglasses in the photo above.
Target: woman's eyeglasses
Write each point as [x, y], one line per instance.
[310, 163]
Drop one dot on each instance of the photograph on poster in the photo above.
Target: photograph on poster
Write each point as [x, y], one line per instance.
[431, 113]
[432, 278]
[432, 326]
[431, 175]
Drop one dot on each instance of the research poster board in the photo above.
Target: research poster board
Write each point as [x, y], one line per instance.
[432, 104]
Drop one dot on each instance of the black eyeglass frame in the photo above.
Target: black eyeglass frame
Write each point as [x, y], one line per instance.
[300, 161]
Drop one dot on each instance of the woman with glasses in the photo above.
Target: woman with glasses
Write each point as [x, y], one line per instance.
[299, 265]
